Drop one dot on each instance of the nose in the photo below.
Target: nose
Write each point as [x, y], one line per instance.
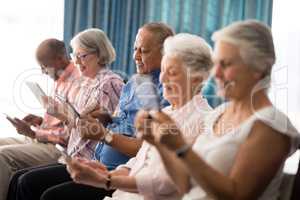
[218, 72]
[162, 77]
[77, 61]
[137, 55]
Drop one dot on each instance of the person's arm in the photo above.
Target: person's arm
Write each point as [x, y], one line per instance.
[95, 174]
[33, 120]
[54, 135]
[257, 162]
[126, 145]
[90, 128]
[149, 131]
[126, 183]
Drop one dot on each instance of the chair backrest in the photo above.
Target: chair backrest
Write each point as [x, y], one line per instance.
[296, 187]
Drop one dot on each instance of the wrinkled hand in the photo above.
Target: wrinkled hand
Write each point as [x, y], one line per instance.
[87, 172]
[23, 128]
[33, 120]
[102, 115]
[163, 129]
[144, 126]
[90, 128]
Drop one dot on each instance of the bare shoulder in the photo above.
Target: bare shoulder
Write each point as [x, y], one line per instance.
[259, 158]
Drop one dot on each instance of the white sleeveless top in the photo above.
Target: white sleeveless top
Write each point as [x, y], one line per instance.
[220, 151]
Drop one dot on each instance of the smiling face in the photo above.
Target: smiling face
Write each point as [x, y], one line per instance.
[87, 61]
[235, 79]
[147, 52]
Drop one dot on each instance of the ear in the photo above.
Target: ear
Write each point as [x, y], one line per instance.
[197, 80]
[196, 83]
[258, 75]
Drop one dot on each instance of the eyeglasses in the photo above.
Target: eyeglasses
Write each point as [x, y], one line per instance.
[81, 57]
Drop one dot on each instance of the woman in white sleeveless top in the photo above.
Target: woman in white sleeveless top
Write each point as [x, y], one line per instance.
[247, 140]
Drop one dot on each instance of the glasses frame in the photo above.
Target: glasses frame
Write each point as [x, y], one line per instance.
[82, 56]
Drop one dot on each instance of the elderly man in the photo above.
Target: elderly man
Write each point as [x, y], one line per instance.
[16, 154]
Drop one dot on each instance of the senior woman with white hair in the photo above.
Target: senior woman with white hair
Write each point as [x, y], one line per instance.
[246, 141]
[185, 65]
[100, 88]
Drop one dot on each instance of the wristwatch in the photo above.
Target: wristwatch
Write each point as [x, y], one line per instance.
[108, 137]
[181, 152]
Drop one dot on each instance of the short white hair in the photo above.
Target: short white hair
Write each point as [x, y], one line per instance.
[194, 52]
[94, 39]
[255, 43]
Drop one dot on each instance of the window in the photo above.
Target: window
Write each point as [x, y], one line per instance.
[286, 88]
[24, 24]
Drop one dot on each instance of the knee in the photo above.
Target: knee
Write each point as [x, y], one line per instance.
[6, 153]
[6, 158]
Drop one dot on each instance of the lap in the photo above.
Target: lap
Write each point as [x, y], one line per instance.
[49, 174]
[13, 141]
[23, 155]
[13, 185]
[72, 190]
[34, 182]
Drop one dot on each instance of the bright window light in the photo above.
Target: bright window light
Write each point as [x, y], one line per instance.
[286, 92]
[24, 24]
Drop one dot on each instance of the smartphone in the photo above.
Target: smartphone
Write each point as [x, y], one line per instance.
[64, 100]
[66, 157]
[147, 92]
[10, 119]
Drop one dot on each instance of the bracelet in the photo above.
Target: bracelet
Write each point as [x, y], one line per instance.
[181, 152]
[108, 182]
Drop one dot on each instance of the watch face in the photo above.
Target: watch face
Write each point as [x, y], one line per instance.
[108, 138]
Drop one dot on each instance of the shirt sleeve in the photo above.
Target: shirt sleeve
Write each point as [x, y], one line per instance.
[109, 94]
[154, 183]
[129, 165]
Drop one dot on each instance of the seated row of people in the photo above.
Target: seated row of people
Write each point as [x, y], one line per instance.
[185, 150]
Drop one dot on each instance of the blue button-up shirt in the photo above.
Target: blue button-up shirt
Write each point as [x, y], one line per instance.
[132, 99]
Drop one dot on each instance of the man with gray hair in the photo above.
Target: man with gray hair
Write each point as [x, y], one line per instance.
[37, 147]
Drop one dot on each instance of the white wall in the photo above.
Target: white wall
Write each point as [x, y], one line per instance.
[24, 24]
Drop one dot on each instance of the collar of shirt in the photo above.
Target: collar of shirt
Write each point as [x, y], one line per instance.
[155, 75]
[67, 72]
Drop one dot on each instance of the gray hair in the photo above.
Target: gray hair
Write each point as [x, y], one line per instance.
[160, 30]
[193, 50]
[255, 43]
[94, 39]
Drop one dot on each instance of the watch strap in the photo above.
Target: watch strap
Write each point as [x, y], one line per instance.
[181, 152]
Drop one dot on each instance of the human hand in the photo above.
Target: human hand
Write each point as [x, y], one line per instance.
[163, 129]
[102, 115]
[33, 120]
[88, 172]
[91, 128]
[144, 127]
[23, 127]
